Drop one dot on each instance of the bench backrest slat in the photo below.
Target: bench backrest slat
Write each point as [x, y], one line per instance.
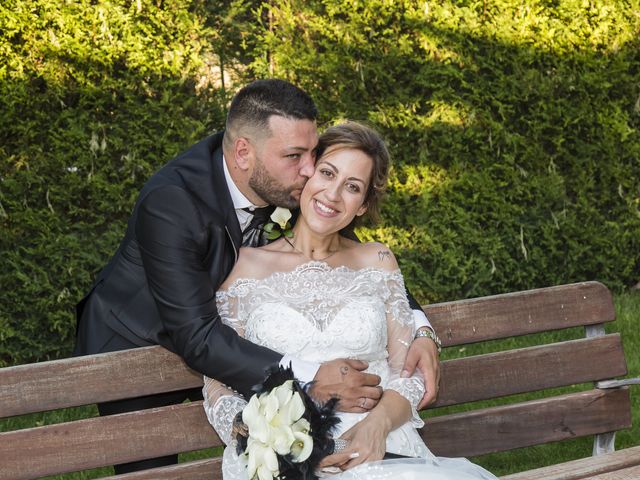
[112, 376]
[531, 423]
[79, 381]
[521, 313]
[530, 369]
[95, 442]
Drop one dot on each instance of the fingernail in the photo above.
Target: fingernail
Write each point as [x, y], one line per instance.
[354, 455]
[404, 374]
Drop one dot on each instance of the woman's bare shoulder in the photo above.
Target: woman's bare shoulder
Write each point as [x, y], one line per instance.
[373, 255]
[249, 265]
[256, 263]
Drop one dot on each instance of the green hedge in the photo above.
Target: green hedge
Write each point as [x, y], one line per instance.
[514, 130]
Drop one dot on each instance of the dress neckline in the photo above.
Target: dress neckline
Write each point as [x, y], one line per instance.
[309, 266]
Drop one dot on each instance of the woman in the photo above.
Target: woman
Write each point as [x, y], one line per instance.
[319, 296]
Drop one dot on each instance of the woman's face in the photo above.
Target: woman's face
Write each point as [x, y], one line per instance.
[336, 192]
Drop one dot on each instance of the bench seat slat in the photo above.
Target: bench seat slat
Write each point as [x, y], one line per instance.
[108, 440]
[72, 382]
[96, 442]
[584, 468]
[208, 469]
[521, 313]
[530, 369]
[529, 423]
[624, 474]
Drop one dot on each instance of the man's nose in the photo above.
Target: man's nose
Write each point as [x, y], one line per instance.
[307, 165]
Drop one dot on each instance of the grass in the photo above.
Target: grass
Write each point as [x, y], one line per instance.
[628, 315]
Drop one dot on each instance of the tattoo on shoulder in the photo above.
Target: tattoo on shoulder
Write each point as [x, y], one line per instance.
[384, 254]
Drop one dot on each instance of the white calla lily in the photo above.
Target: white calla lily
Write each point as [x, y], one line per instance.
[301, 447]
[276, 427]
[255, 420]
[284, 392]
[264, 473]
[261, 461]
[280, 439]
[281, 216]
[269, 406]
[292, 410]
[301, 426]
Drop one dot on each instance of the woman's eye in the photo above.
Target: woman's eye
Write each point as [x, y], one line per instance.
[326, 173]
[352, 187]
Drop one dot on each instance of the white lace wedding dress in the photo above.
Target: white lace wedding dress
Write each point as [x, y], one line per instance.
[318, 313]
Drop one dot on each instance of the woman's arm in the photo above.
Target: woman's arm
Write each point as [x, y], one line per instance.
[367, 439]
[221, 405]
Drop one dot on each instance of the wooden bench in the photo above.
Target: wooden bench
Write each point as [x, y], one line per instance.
[599, 410]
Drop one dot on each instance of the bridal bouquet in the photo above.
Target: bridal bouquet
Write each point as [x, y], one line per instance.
[283, 433]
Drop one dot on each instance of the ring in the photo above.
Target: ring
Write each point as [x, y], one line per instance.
[339, 444]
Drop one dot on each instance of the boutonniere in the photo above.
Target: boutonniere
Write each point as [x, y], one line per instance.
[279, 224]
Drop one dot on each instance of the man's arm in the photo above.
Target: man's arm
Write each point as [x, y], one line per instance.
[173, 245]
[424, 355]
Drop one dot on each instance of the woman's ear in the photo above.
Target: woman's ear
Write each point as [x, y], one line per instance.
[362, 210]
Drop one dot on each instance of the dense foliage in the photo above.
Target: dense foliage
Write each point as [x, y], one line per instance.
[514, 128]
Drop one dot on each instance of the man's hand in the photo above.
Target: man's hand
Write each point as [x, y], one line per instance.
[423, 354]
[356, 391]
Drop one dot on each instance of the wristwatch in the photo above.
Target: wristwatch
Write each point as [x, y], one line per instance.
[427, 332]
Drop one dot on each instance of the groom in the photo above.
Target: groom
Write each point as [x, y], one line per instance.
[182, 240]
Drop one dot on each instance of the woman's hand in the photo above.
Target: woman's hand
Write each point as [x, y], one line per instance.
[423, 355]
[366, 442]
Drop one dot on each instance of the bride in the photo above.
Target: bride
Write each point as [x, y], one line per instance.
[318, 295]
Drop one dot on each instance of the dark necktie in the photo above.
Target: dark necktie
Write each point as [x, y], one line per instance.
[253, 235]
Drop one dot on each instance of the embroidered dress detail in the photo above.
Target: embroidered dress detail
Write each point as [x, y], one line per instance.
[318, 313]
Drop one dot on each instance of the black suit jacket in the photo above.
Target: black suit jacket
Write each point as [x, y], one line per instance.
[181, 242]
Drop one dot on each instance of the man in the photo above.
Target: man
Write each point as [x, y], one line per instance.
[182, 241]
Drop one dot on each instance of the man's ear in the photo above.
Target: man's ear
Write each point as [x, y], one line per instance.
[244, 153]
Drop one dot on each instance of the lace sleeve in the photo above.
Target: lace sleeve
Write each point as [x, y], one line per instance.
[400, 332]
[222, 404]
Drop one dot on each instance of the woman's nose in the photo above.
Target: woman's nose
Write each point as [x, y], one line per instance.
[332, 191]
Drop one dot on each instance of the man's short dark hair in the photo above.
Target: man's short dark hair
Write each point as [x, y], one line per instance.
[256, 102]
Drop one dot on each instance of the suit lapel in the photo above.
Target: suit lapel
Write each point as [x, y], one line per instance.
[231, 221]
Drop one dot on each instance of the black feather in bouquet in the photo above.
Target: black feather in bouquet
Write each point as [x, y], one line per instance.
[282, 432]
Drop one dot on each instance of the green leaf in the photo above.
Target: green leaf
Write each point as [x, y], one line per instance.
[269, 227]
